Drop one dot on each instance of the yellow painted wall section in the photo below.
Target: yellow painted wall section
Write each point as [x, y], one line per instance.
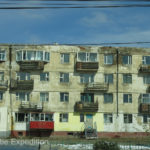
[74, 123]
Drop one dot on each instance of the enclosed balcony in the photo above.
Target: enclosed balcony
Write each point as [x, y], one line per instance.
[22, 84]
[3, 85]
[87, 62]
[144, 69]
[41, 121]
[31, 107]
[32, 60]
[86, 107]
[144, 108]
[96, 86]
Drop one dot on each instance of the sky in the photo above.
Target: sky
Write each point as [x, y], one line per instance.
[74, 25]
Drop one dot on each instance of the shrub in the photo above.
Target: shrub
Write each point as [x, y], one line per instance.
[104, 145]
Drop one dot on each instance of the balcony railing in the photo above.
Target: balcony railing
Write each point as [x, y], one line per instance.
[22, 84]
[31, 107]
[97, 87]
[3, 85]
[144, 108]
[86, 107]
[31, 65]
[42, 125]
[144, 69]
[87, 66]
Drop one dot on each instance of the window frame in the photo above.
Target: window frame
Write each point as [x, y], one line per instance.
[87, 97]
[65, 96]
[45, 76]
[2, 55]
[129, 60]
[128, 118]
[107, 78]
[106, 59]
[129, 98]
[45, 97]
[26, 96]
[126, 79]
[108, 118]
[63, 76]
[144, 60]
[1, 95]
[87, 77]
[20, 75]
[106, 95]
[63, 117]
[62, 58]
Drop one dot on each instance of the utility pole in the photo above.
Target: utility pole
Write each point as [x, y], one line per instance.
[117, 78]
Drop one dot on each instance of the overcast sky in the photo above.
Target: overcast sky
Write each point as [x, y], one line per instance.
[80, 25]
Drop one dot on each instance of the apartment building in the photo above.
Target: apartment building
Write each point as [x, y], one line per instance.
[50, 90]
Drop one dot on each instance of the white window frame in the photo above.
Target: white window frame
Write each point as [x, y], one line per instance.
[46, 97]
[87, 57]
[107, 78]
[27, 96]
[108, 118]
[105, 100]
[84, 76]
[62, 76]
[2, 55]
[129, 59]
[62, 58]
[18, 75]
[65, 95]
[147, 98]
[106, 59]
[146, 78]
[144, 60]
[129, 99]
[46, 77]
[33, 58]
[25, 119]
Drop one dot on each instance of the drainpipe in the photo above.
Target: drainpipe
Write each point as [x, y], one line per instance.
[117, 78]
[10, 70]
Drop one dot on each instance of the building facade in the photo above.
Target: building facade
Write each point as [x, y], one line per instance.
[56, 89]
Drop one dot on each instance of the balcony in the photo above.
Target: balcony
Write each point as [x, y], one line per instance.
[3, 85]
[87, 66]
[31, 107]
[22, 84]
[144, 69]
[46, 125]
[97, 87]
[31, 65]
[144, 108]
[86, 107]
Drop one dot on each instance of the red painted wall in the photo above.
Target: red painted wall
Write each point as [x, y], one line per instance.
[41, 125]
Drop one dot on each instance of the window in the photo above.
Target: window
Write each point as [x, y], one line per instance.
[127, 98]
[127, 78]
[108, 118]
[108, 78]
[87, 97]
[146, 118]
[64, 58]
[81, 117]
[146, 60]
[64, 77]
[2, 56]
[41, 117]
[44, 76]
[145, 98]
[1, 96]
[44, 97]
[1, 76]
[127, 59]
[86, 78]
[108, 59]
[21, 117]
[32, 55]
[127, 118]
[23, 76]
[64, 97]
[22, 96]
[108, 98]
[87, 57]
[63, 118]
[146, 79]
